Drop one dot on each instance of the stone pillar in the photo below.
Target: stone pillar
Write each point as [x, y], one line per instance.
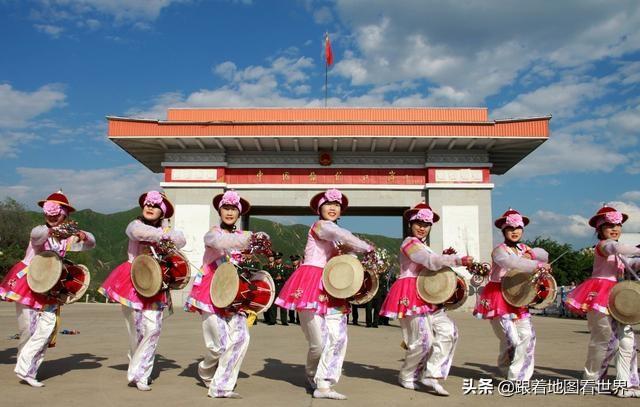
[465, 224]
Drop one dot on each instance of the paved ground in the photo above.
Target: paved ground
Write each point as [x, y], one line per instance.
[90, 368]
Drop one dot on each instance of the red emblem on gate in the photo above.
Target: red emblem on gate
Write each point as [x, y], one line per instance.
[325, 159]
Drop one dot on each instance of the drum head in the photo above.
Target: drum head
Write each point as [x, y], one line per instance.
[459, 296]
[517, 289]
[224, 285]
[44, 272]
[547, 293]
[180, 272]
[368, 290]
[264, 300]
[624, 302]
[77, 282]
[343, 275]
[146, 275]
[436, 287]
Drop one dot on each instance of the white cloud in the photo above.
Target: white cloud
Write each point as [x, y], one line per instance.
[475, 57]
[103, 190]
[631, 196]
[567, 153]
[120, 10]
[17, 107]
[550, 223]
[560, 98]
[323, 15]
[51, 30]
[631, 209]
[11, 140]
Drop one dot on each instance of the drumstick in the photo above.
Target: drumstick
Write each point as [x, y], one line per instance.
[558, 258]
[466, 241]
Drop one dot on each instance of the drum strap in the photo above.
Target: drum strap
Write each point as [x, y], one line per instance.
[54, 335]
[251, 317]
[169, 309]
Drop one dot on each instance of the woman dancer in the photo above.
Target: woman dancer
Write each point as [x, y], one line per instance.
[143, 315]
[429, 335]
[37, 312]
[512, 325]
[323, 319]
[609, 338]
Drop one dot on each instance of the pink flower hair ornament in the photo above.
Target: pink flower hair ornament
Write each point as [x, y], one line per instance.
[231, 198]
[52, 208]
[154, 198]
[613, 217]
[513, 220]
[423, 215]
[331, 195]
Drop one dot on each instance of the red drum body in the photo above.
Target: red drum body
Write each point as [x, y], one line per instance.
[368, 290]
[49, 274]
[150, 274]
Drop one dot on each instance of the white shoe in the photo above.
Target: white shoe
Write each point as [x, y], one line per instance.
[435, 386]
[407, 385]
[143, 386]
[225, 395]
[31, 381]
[328, 394]
[627, 393]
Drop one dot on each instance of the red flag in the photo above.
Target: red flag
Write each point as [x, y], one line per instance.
[327, 51]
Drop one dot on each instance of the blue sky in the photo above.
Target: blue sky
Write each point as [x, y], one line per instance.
[68, 63]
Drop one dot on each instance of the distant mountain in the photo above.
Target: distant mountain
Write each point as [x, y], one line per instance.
[112, 241]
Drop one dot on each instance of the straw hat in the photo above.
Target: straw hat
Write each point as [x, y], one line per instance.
[224, 285]
[343, 276]
[146, 275]
[436, 286]
[44, 272]
[624, 302]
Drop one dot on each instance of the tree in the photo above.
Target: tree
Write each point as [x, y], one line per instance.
[15, 226]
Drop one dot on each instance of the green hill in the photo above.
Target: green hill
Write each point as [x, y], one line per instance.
[112, 242]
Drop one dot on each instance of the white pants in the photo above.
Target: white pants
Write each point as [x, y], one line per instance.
[610, 339]
[517, 347]
[431, 341]
[35, 329]
[227, 341]
[327, 337]
[144, 329]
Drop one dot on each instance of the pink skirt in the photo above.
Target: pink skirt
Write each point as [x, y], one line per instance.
[14, 288]
[591, 294]
[403, 300]
[304, 291]
[491, 304]
[118, 287]
[199, 298]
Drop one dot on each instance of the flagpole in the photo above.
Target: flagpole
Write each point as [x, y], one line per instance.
[326, 70]
[326, 82]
